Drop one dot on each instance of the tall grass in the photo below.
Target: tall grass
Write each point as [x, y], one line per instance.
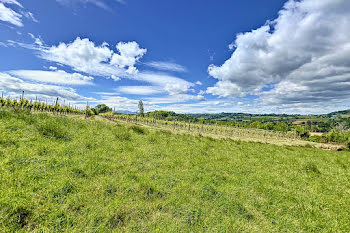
[59, 174]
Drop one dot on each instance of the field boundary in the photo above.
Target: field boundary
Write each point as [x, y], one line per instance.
[274, 141]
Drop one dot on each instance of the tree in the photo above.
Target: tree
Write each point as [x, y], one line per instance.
[101, 108]
[281, 126]
[302, 132]
[141, 109]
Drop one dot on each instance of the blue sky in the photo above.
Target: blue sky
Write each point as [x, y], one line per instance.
[186, 56]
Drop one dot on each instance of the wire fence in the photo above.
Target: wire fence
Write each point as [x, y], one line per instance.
[221, 130]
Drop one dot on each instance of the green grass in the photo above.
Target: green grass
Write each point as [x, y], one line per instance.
[59, 174]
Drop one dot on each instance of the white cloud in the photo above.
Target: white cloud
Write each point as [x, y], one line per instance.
[97, 3]
[178, 98]
[115, 78]
[104, 4]
[199, 83]
[300, 57]
[83, 55]
[13, 17]
[167, 66]
[129, 54]
[14, 2]
[201, 92]
[37, 40]
[13, 84]
[173, 85]
[30, 15]
[140, 90]
[204, 106]
[9, 15]
[55, 77]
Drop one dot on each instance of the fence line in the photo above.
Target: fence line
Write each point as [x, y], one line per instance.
[216, 129]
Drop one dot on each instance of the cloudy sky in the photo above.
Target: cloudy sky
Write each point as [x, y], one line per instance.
[254, 56]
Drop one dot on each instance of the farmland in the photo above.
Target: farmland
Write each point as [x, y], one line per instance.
[67, 173]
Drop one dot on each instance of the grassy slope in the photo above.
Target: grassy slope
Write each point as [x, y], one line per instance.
[63, 174]
[245, 138]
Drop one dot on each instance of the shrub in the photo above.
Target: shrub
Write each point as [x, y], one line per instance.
[302, 132]
[89, 113]
[320, 139]
[337, 136]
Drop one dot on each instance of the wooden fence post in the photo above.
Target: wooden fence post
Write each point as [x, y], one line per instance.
[56, 106]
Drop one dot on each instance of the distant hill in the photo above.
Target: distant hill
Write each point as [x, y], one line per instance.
[343, 112]
[126, 112]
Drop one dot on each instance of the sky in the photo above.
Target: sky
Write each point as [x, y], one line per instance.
[199, 56]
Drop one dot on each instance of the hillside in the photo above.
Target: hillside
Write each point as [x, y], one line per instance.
[66, 174]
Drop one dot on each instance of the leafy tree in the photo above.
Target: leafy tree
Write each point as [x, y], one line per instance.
[141, 109]
[308, 124]
[101, 108]
[269, 126]
[302, 132]
[88, 112]
[281, 126]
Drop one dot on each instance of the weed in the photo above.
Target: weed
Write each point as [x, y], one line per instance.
[312, 168]
[138, 129]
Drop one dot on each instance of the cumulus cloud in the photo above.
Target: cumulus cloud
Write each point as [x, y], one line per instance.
[166, 66]
[13, 84]
[300, 57]
[129, 54]
[83, 55]
[55, 77]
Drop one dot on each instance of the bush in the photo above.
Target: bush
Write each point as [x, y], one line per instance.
[302, 132]
[89, 113]
[337, 136]
[320, 139]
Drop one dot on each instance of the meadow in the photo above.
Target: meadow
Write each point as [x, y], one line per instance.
[70, 174]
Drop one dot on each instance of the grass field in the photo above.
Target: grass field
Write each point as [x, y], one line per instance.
[60, 174]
